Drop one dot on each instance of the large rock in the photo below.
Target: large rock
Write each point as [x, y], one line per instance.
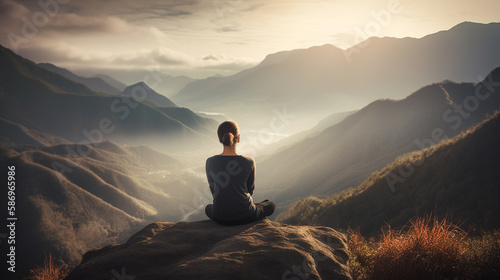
[206, 250]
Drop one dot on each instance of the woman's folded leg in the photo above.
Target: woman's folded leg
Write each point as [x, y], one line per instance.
[209, 210]
[265, 208]
[262, 210]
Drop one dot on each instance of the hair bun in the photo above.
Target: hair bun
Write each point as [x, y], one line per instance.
[227, 139]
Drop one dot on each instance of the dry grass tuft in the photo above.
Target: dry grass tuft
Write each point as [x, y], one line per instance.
[428, 248]
[49, 271]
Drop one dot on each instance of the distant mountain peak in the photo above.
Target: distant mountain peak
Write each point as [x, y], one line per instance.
[141, 84]
[151, 97]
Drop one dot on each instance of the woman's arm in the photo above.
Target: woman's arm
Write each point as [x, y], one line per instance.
[251, 179]
[210, 179]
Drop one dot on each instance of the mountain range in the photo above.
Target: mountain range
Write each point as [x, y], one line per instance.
[315, 82]
[343, 155]
[457, 178]
[68, 202]
[46, 101]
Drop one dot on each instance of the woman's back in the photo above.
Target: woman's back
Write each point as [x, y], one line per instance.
[231, 181]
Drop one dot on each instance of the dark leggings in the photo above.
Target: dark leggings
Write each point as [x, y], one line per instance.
[263, 209]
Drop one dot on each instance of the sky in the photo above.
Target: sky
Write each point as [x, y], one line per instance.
[213, 37]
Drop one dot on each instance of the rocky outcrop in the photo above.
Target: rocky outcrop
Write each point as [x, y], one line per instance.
[206, 250]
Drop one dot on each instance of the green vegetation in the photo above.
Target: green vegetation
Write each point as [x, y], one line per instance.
[428, 248]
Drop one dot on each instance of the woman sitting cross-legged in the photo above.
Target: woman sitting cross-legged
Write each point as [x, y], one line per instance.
[231, 180]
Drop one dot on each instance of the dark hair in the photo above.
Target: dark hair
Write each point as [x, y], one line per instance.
[227, 133]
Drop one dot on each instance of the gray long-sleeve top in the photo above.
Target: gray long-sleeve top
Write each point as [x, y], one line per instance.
[232, 181]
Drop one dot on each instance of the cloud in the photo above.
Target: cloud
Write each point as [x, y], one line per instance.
[11, 10]
[66, 55]
[91, 16]
[61, 53]
[161, 56]
[161, 12]
[11, 14]
[212, 57]
[161, 59]
[106, 7]
[227, 29]
[84, 24]
[26, 27]
[223, 63]
[77, 39]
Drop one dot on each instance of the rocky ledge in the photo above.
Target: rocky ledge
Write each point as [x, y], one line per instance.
[206, 250]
